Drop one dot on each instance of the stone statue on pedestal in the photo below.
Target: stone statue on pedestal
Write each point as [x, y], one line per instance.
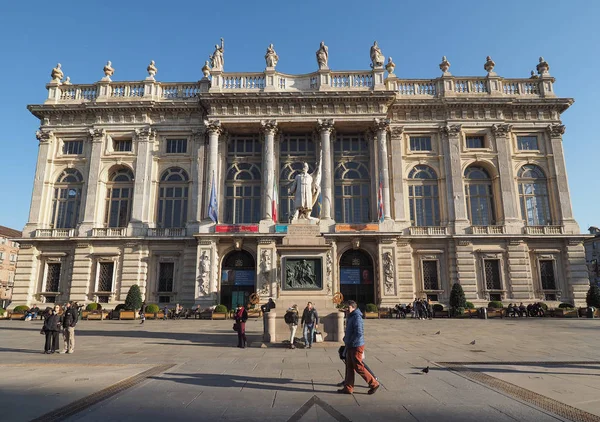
[108, 71]
[151, 70]
[323, 56]
[57, 73]
[217, 61]
[377, 58]
[271, 56]
[306, 189]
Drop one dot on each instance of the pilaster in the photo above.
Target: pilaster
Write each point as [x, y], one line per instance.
[207, 271]
[266, 280]
[405, 275]
[512, 221]
[388, 274]
[520, 278]
[90, 213]
[134, 269]
[397, 171]
[143, 180]
[197, 170]
[577, 272]
[81, 276]
[466, 269]
[46, 140]
[457, 211]
[27, 276]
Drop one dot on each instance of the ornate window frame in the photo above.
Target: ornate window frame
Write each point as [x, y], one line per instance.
[436, 255]
[491, 255]
[51, 258]
[164, 257]
[106, 258]
[547, 255]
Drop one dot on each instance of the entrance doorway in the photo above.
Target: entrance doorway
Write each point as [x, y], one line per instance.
[357, 278]
[238, 279]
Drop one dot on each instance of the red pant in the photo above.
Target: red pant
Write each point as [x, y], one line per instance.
[354, 363]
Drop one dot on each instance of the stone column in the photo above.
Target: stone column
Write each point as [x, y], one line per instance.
[90, 212]
[559, 171]
[269, 128]
[457, 211]
[143, 180]
[382, 126]
[46, 138]
[325, 127]
[397, 171]
[197, 172]
[508, 192]
[214, 129]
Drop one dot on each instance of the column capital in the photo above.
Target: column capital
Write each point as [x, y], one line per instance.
[501, 129]
[382, 124]
[556, 130]
[213, 126]
[97, 134]
[145, 133]
[269, 126]
[44, 135]
[451, 130]
[325, 125]
[396, 131]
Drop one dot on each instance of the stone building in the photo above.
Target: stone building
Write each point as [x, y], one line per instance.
[592, 255]
[419, 184]
[9, 250]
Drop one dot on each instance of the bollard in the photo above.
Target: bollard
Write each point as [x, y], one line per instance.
[271, 335]
[483, 313]
[340, 327]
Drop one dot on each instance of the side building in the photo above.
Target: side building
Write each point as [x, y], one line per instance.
[592, 255]
[9, 250]
[422, 183]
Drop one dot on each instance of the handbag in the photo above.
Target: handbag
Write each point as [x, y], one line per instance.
[318, 337]
[236, 326]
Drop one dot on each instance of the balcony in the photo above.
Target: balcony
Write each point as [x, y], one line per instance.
[41, 233]
[541, 230]
[428, 231]
[487, 230]
[109, 232]
[171, 232]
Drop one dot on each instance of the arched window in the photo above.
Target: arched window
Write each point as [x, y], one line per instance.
[119, 197]
[423, 197]
[533, 196]
[67, 199]
[352, 178]
[242, 194]
[480, 197]
[173, 198]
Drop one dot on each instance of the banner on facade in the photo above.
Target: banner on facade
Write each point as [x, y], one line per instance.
[236, 228]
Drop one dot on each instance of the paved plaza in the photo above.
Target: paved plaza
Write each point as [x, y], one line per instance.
[517, 370]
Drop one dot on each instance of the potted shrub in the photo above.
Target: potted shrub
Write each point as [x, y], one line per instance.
[133, 302]
[2, 312]
[457, 299]
[152, 310]
[19, 312]
[371, 311]
[90, 308]
[220, 312]
[495, 304]
[593, 300]
[566, 310]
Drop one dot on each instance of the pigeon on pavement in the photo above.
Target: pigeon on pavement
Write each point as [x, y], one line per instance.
[439, 332]
[473, 342]
[426, 370]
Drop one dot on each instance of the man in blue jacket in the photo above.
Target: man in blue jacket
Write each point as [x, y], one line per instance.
[355, 346]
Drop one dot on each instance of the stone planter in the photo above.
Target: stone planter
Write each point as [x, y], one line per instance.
[93, 316]
[371, 315]
[219, 315]
[85, 314]
[127, 315]
[17, 316]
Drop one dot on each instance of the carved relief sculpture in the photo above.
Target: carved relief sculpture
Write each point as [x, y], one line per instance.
[388, 273]
[323, 56]
[271, 56]
[57, 74]
[265, 271]
[328, 268]
[217, 60]
[151, 70]
[204, 273]
[377, 58]
[108, 71]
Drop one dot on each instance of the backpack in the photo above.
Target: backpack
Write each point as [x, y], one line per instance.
[288, 317]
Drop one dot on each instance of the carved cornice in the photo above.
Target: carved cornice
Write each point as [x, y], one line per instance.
[556, 130]
[266, 241]
[44, 135]
[213, 126]
[501, 129]
[325, 125]
[388, 240]
[381, 124]
[451, 130]
[464, 242]
[269, 126]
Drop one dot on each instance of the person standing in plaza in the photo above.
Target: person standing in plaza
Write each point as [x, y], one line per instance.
[51, 329]
[240, 317]
[291, 319]
[354, 341]
[143, 312]
[69, 321]
[310, 321]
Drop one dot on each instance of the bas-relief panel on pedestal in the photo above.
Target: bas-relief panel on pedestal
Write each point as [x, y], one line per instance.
[302, 274]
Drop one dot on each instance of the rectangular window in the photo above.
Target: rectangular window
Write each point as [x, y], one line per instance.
[52, 277]
[430, 275]
[103, 299]
[164, 299]
[166, 271]
[122, 145]
[547, 274]
[492, 274]
[73, 147]
[13, 257]
[50, 299]
[527, 143]
[105, 276]
[2, 240]
[474, 142]
[420, 143]
[176, 146]
[1, 256]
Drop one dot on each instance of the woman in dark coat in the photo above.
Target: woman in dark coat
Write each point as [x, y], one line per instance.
[241, 316]
[52, 329]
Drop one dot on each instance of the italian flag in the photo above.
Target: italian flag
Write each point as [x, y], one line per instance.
[275, 201]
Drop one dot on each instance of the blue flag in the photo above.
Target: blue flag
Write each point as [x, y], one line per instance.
[212, 203]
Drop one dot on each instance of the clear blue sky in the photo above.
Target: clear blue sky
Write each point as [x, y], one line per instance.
[179, 36]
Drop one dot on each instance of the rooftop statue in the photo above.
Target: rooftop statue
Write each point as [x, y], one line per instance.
[108, 71]
[271, 56]
[390, 66]
[306, 189]
[489, 65]
[57, 73]
[151, 70]
[323, 56]
[445, 65]
[67, 81]
[377, 58]
[217, 61]
[206, 69]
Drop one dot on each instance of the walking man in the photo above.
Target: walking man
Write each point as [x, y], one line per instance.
[310, 321]
[354, 341]
[69, 320]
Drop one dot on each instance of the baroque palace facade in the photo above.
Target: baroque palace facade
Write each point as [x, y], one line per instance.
[421, 183]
